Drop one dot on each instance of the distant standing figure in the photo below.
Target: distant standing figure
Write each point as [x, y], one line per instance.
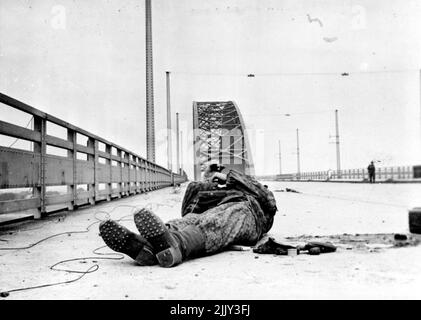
[372, 172]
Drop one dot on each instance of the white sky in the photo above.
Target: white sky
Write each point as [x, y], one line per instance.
[89, 69]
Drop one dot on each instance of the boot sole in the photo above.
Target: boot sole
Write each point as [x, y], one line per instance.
[153, 229]
[117, 237]
[114, 235]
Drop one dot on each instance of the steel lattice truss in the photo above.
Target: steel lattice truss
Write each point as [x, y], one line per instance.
[220, 137]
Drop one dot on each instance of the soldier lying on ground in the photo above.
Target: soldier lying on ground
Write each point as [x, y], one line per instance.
[213, 218]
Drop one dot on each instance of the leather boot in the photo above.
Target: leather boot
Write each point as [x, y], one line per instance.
[191, 241]
[121, 239]
[170, 245]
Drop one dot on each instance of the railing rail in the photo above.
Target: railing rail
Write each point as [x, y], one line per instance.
[104, 174]
[396, 173]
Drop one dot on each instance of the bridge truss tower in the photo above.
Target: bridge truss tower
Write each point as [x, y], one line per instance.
[220, 136]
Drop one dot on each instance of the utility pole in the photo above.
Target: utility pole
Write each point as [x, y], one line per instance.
[169, 137]
[178, 142]
[279, 155]
[150, 121]
[338, 156]
[298, 156]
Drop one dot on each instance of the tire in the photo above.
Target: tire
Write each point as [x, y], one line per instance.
[415, 220]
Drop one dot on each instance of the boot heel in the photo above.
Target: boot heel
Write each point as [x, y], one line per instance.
[169, 257]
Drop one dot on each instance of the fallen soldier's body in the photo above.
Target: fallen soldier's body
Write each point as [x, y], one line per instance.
[213, 218]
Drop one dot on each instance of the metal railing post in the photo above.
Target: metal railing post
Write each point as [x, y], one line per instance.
[127, 166]
[120, 179]
[93, 159]
[110, 168]
[40, 125]
[142, 175]
[147, 179]
[136, 173]
[71, 136]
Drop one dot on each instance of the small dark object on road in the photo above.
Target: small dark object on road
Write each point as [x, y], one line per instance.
[324, 247]
[314, 251]
[401, 237]
[270, 246]
[287, 190]
[415, 220]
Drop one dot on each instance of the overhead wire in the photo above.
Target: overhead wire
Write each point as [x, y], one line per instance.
[269, 74]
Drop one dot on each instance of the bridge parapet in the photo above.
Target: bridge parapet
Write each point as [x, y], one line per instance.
[91, 171]
[384, 174]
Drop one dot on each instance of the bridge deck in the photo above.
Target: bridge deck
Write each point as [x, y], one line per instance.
[356, 270]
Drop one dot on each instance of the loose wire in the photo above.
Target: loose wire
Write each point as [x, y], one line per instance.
[91, 269]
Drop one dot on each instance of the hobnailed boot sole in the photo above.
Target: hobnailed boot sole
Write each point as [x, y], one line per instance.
[121, 239]
[153, 229]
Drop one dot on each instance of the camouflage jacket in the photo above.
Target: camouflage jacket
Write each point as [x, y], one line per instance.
[201, 196]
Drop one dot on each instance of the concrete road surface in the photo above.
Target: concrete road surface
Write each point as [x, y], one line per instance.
[360, 219]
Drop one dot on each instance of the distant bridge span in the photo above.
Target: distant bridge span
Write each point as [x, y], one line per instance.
[220, 136]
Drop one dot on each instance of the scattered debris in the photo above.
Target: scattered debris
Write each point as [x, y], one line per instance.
[287, 190]
[363, 242]
[169, 287]
[323, 247]
[330, 39]
[239, 248]
[378, 246]
[270, 246]
[399, 236]
[314, 251]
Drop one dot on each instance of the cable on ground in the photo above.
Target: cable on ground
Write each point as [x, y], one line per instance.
[91, 269]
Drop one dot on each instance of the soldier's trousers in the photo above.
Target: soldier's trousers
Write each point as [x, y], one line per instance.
[224, 225]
